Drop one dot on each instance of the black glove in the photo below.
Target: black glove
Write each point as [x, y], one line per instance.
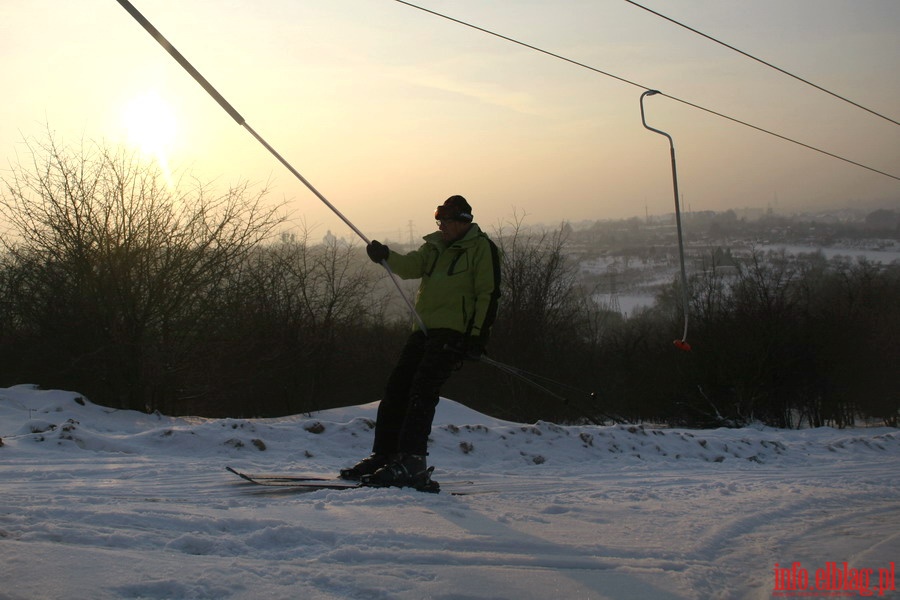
[377, 251]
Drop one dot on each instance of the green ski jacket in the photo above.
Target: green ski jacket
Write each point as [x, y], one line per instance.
[460, 286]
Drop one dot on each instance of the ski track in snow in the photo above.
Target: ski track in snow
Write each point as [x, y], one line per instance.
[97, 503]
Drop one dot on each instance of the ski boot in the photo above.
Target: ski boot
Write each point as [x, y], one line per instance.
[404, 470]
[365, 467]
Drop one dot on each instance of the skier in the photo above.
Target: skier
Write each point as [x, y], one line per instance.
[457, 301]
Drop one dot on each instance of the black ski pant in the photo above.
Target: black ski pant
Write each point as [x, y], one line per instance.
[413, 390]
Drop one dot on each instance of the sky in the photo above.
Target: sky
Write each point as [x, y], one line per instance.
[387, 110]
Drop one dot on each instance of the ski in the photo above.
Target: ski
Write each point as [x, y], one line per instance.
[278, 478]
[311, 483]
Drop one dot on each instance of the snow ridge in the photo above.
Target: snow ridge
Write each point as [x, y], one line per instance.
[105, 504]
[64, 420]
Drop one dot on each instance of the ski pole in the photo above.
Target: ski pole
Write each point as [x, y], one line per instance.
[530, 378]
[206, 85]
[521, 375]
[682, 343]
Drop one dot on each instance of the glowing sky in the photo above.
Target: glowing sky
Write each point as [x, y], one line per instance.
[388, 110]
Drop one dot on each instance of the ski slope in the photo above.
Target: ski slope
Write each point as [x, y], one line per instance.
[97, 503]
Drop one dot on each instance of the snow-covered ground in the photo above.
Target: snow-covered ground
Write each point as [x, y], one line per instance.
[97, 503]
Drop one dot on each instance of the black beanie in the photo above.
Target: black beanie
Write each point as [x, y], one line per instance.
[460, 206]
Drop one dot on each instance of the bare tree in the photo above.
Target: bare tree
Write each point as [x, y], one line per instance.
[298, 312]
[118, 270]
[544, 314]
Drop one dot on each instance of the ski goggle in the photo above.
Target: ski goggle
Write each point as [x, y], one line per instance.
[451, 213]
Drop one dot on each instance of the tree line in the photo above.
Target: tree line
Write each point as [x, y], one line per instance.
[152, 296]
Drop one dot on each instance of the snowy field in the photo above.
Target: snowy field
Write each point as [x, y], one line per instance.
[97, 503]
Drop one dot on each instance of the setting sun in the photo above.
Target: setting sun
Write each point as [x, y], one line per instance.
[151, 126]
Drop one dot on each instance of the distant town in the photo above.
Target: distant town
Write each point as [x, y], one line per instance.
[630, 260]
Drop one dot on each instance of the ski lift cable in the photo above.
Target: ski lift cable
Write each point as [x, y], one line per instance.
[161, 39]
[778, 135]
[761, 61]
[645, 88]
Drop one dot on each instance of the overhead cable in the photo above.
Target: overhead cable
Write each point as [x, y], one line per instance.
[644, 87]
[761, 61]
